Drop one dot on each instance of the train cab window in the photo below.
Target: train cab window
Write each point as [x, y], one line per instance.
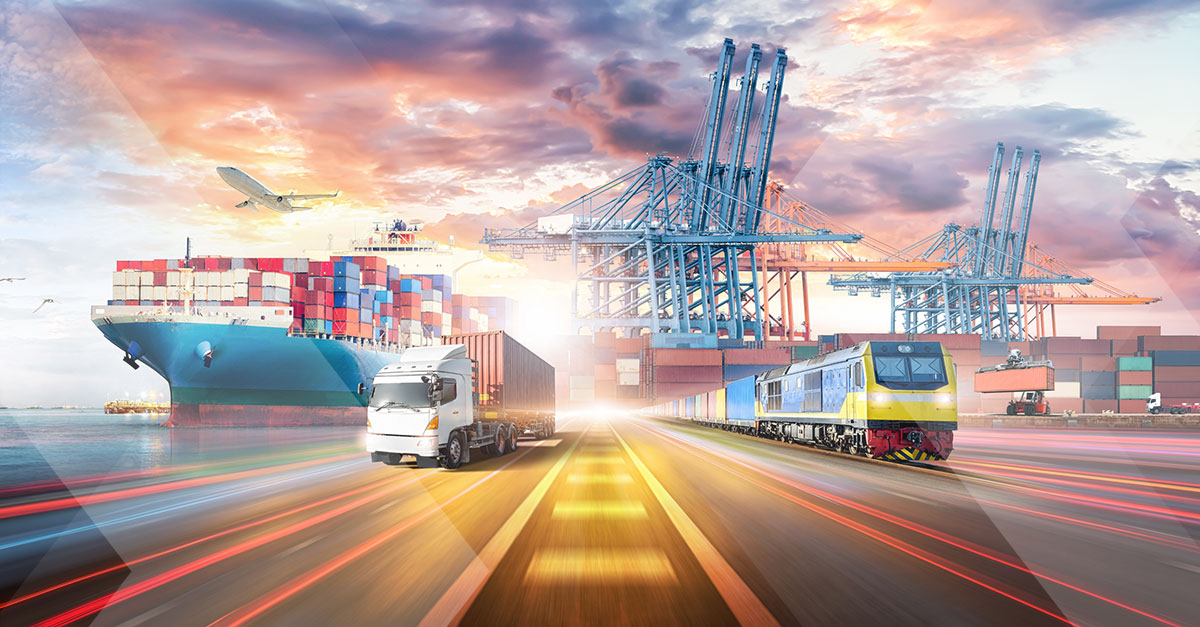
[909, 373]
[858, 375]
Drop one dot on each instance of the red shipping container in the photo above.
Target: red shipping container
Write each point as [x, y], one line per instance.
[426, 282]
[1126, 377]
[1132, 407]
[1016, 380]
[256, 292]
[670, 391]
[1126, 332]
[1187, 390]
[1171, 343]
[160, 277]
[1060, 405]
[328, 298]
[241, 302]
[1097, 406]
[313, 297]
[341, 314]
[123, 265]
[606, 372]
[447, 307]
[629, 346]
[159, 265]
[687, 357]
[255, 279]
[313, 312]
[1125, 348]
[1179, 374]
[1066, 362]
[685, 374]
[1096, 363]
[757, 356]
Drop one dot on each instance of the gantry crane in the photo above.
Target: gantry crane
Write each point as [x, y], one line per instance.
[671, 247]
[997, 285]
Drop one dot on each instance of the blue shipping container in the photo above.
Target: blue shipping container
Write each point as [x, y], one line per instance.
[346, 284]
[739, 400]
[346, 269]
[347, 300]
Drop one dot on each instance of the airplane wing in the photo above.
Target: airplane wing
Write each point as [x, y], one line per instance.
[294, 208]
[311, 196]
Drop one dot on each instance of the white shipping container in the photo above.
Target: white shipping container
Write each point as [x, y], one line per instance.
[284, 280]
[200, 292]
[447, 320]
[227, 290]
[145, 292]
[628, 365]
[173, 292]
[160, 292]
[227, 278]
[241, 290]
[583, 395]
[474, 314]
[241, 276]
[145, 278]
[133, 278]
[627, 378]
[583, 382]
[1064, 389]
[118, 292]
[173, 278]
[428, 305]
[186, 279]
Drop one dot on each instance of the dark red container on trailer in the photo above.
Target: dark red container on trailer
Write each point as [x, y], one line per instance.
[508, 376]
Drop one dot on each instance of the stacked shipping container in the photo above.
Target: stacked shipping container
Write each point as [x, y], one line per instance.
[359, 297]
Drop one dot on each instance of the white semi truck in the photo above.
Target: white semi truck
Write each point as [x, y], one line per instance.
[443, 404]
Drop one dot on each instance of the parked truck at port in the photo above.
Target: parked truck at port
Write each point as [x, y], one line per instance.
[475, 394]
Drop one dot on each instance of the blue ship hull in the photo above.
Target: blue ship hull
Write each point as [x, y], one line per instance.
[257, 375]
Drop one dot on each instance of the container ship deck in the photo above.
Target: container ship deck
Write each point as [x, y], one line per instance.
[284, 341]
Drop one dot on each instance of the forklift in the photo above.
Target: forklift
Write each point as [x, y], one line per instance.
[1030, 404]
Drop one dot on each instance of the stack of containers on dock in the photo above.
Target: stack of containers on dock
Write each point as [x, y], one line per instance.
[1135, 383]
[628, 365]
[670, 373]
[604, 353]
[1176, 362]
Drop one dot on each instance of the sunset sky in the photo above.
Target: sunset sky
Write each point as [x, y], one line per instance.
[113, 116]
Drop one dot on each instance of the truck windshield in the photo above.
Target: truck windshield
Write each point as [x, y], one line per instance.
[909, 372]
[403, 394]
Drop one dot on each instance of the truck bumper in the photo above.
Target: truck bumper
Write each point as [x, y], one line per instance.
[424, 446]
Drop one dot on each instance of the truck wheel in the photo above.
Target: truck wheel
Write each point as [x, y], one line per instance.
[512, 437]
[1012, 410]
[501, 445]
[1155, 411]
[455, 449]
[1030, 410]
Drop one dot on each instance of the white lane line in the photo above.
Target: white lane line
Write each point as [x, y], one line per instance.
[458, 597]
[744, 604]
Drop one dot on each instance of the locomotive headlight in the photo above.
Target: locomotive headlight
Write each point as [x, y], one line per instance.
[904, 348]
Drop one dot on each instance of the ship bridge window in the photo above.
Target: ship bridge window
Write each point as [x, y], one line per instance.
[909, 373]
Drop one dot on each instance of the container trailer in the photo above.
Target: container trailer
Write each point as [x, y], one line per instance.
[475, 393]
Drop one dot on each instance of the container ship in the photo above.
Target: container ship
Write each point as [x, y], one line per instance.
[269, 341]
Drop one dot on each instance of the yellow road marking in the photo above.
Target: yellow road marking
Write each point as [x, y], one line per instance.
[454, 602]
[599, 509]
[554, 442]
[599, 459]
[599, 478]
[746, 607]
[649, 566]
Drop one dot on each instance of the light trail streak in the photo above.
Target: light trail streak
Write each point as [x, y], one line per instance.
[920, 529]
[37, 487]
[128, 592]
[1094, 476]
[249, 611]
[39, 507]
[198, 541]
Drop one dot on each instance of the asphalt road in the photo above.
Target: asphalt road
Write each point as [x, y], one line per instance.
[622, 520]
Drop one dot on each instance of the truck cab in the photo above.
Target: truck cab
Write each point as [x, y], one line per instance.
[417, 402]
[1029, 403]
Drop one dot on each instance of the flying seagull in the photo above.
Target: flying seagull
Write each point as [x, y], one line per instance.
[10, 279]
[44, 301]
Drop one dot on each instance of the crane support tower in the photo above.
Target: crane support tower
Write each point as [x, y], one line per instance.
[662, 247]
[985, 290]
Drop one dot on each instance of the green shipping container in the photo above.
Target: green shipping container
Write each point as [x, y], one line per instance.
[1136, 364]
[803, 352]
[312, 325]
[1134, 392]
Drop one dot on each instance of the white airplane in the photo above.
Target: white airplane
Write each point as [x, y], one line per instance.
[258, 194]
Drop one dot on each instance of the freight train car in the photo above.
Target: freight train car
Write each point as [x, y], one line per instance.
[886, 400]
